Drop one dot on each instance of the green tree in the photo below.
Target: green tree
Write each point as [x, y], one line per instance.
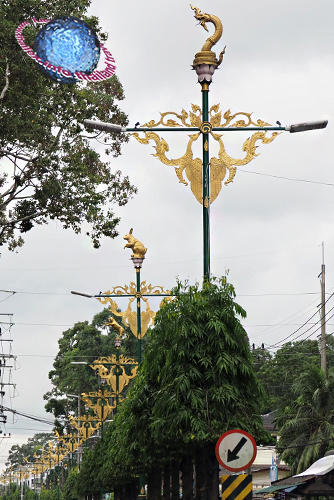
[278, 372]
[30, 494]
[83, 343]
[70, 487]
[17, 453]
[49, 495]
[49, 168]
[197, 381]
[307, 425]
[13, 493]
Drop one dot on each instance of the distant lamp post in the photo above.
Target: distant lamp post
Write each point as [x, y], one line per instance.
[79, 421]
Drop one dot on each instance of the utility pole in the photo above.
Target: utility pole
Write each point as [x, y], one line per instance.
[323, 314]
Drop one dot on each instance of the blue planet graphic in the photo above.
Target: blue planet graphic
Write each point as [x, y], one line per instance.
[68, 43]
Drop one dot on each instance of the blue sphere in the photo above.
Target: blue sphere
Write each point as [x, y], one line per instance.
[69, 43]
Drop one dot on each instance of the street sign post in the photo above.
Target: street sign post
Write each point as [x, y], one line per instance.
[236, 450]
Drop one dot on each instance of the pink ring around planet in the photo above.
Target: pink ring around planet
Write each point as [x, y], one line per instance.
[95, 76]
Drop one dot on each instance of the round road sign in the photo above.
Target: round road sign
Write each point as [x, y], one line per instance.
[236, 450]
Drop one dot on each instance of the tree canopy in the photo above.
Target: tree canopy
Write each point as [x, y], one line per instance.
[83, 343]
[49, 167]
[196, 382]
[307, 425]
[18, 453]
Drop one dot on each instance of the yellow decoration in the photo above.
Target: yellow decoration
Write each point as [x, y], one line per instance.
[102, 407]
[110, 375]
[206, 56]
[136, 246]
[218, 166]
[129, 317]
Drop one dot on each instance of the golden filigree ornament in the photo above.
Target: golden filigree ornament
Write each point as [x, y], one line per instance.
[99, 402]
[117, 371]
[88, 425]
[71, 441]
[219, 167]
[129, 317]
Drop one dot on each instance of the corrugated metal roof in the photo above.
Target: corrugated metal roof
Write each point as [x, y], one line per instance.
[272, 489]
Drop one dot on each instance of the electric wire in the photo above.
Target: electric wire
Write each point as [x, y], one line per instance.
[286, 178]
[304, 324]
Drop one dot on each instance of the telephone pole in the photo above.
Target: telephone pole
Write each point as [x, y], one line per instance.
[323, 314]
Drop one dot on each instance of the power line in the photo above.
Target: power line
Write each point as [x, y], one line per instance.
[280, 342]
[285, 178]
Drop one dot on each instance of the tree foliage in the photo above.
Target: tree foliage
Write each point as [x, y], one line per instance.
[49, 168]
[278, 371]
[17, 453]
[83, 343]
[196, 382]
[307, 425]
[70, 487]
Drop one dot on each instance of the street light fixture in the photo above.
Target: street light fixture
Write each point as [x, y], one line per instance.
[105, 127]
[302, 127]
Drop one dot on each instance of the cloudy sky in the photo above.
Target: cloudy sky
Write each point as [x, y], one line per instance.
[267, 227]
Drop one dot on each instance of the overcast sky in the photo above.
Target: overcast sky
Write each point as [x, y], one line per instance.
[266, 230]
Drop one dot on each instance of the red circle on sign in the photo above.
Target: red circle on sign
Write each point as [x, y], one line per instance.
[228, 467]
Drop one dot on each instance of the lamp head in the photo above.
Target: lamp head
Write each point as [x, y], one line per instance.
[118, 342]
[104, 127]
[302, 127]
[137, 261]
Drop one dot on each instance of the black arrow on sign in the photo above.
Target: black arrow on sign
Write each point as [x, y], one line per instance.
[233, 455]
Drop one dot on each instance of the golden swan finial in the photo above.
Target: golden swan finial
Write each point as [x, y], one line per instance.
[206, 56]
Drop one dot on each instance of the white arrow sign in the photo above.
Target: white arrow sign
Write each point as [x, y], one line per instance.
[236, 450]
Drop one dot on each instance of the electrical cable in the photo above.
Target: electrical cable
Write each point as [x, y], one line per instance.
[31, 417]
[312, 333]
[285, 178]
[280, 342]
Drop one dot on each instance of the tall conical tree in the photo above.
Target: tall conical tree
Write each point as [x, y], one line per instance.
[197, 381]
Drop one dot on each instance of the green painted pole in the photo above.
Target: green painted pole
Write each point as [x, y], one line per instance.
[206, 185]
[138, 314]
[117, 376]
[142, 479]
[58, 478]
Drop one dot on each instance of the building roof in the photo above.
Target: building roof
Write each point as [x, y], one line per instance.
[268, 421]
[320, 467]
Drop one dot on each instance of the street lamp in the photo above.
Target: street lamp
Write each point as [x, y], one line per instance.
[206, 176]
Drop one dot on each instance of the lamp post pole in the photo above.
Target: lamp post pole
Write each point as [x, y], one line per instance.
[206, 185]
[137, 262]
[137, 267]
[79, 424]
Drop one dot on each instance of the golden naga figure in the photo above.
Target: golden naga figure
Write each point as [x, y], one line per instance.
[206, 56]
[136, 246]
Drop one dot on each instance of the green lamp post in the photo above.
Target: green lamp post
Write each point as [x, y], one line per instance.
[206, 175]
